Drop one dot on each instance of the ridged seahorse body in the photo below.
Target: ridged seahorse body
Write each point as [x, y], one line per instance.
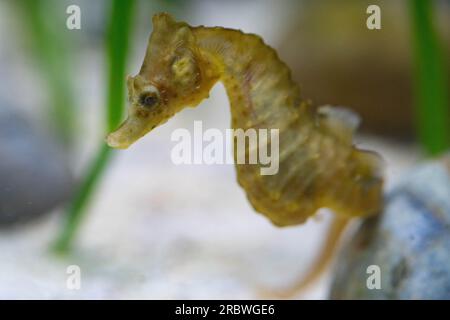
[318, 163]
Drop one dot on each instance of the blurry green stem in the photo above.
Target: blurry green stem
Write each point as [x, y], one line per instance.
[117, 49]
[79, 202]
[431, 84]
[118, 35]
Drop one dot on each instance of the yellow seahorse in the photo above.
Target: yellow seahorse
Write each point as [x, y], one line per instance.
[318, 163]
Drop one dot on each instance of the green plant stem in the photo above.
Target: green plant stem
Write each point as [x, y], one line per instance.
[118, 35]
[431, 83]
[78, 205]
[117, 51]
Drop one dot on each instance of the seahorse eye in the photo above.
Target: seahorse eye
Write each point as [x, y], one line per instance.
[148, 99]
[149, 96]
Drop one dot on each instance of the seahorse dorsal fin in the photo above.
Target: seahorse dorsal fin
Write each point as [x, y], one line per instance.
[339, 120]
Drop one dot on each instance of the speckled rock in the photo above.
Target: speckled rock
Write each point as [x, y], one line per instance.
[410, 242]
[33, 175]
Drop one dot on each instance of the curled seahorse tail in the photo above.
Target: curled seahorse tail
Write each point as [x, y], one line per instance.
[325, 256]
[320, 264]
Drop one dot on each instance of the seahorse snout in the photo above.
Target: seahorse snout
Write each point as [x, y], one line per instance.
[115, 141]
[128, 132]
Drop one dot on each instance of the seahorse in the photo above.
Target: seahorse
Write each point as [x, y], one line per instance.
[319, 165]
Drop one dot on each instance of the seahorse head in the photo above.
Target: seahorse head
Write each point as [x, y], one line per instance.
[174, 75]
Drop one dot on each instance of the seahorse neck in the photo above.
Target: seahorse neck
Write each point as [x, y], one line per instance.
[257, 82]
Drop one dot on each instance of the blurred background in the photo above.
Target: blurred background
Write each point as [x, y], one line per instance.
[140, 226]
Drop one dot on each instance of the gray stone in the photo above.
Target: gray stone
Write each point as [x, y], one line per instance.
[34, 177]
[410, 242]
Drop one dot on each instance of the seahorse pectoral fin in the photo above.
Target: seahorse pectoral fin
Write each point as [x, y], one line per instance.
[341, 121]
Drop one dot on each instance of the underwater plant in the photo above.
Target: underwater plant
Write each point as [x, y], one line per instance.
[117, 51]
[431, 81]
